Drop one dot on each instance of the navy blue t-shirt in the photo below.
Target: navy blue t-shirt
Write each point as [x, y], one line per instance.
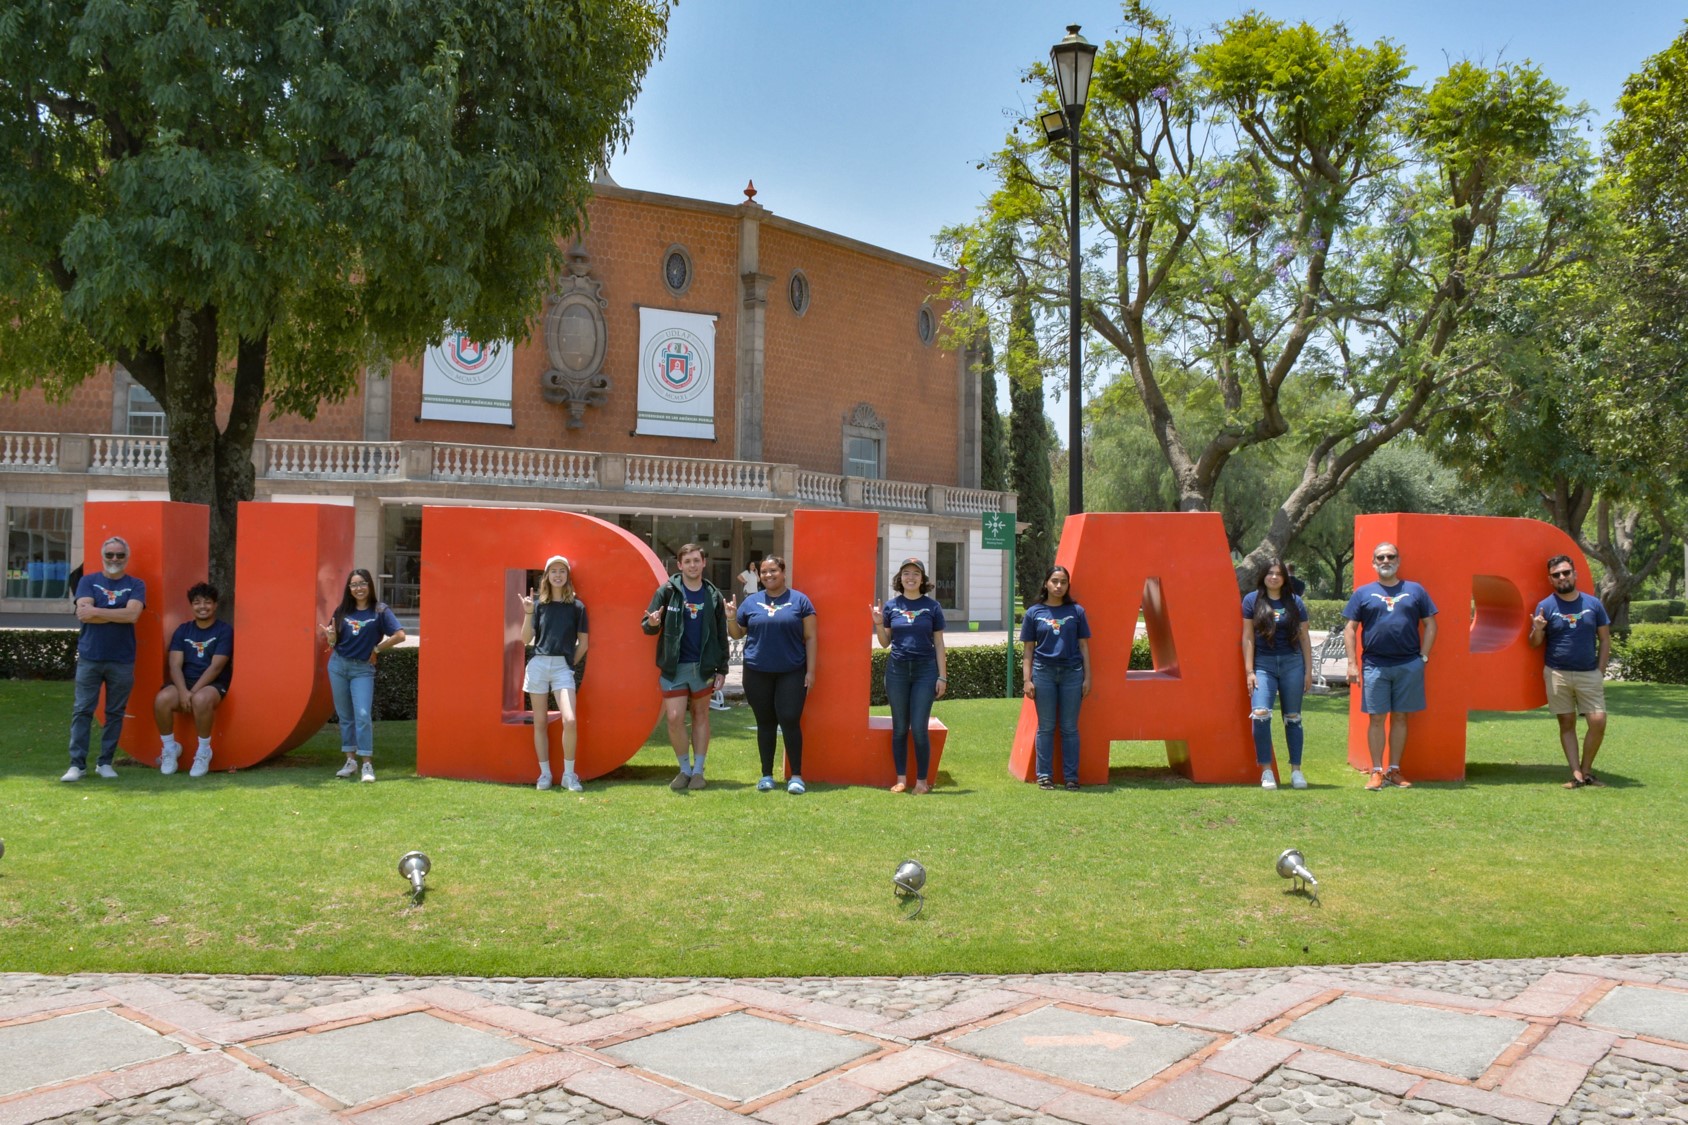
[1389, 617]
[691, 625]
[109, 640]
[1283, 637]
[557, 627]
[774, 628]
[912, 624]
[1056, 631]
[201, 646]
[362, 629]
[1573, 645]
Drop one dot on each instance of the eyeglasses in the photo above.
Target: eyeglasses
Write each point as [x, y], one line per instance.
[115, 555]
[1385, 558]
[1561, 573]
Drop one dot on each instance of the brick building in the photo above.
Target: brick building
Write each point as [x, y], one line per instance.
[831, 389]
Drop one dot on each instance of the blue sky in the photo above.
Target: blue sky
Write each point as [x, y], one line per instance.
[867, 117]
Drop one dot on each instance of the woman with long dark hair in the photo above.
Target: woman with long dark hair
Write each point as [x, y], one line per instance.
[363, 628]
[911, 625]
[1278, 660]
[779, 667]
[1056, 672]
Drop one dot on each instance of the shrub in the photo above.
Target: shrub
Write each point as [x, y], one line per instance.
[1654, 612]
[975, 671]
[1655, 653]
[395, 684]
[1324, 615]
[38, 654]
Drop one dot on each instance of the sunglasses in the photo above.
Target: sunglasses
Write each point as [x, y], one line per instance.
[1561, 574]
[115, 555]
[1385, 558]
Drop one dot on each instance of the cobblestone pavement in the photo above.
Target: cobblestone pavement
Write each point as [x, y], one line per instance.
[1601, 1039]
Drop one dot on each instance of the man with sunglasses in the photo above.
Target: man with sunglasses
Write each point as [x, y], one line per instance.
[1578, 636]
[107, 605]
[1386, 615]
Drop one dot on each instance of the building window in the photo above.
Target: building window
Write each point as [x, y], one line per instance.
[926, 323]
[864, 443]
[146, 416]
[861, 457]
[798, 291]
[677, 270]
[948, 565]
[37, 552]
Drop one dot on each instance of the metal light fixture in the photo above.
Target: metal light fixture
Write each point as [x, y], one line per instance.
[906, 883]
[1071, 61]
[414, 866]
[1293, 865]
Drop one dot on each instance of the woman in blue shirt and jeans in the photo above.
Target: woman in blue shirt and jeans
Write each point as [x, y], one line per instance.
[911, 625]
[1278, 660]
[362, 629]
[1056, 672]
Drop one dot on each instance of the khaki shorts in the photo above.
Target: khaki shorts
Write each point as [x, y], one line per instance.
[1570, 693]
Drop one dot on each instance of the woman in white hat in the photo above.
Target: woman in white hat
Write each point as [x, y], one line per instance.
[554, 623]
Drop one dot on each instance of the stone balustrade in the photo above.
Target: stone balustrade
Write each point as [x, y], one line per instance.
[292, 459]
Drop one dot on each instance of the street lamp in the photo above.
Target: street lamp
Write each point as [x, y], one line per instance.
[1071, 60]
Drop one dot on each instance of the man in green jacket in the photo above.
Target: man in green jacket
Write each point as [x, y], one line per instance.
[688, 617]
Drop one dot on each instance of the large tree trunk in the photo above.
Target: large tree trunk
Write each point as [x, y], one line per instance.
[207, 465]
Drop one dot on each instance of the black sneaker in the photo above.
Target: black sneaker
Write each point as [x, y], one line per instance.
[1044, 781]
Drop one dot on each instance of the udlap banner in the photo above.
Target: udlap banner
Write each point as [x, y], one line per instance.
[676, 374]
[465, 380]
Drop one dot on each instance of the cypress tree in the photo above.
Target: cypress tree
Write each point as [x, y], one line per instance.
[1028, 442]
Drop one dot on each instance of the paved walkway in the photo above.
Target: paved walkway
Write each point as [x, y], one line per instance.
[1578, 1039]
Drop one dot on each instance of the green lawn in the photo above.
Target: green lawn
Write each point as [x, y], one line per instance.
[285, 869]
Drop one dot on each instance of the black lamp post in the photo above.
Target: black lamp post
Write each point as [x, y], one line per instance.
[1071, 60]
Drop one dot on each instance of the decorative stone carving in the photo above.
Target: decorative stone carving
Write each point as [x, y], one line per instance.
[863, 417]
[576, 338]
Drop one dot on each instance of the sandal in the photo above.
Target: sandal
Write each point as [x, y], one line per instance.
[900, 787]
[922, 787]
[1044, 781]
[1590, 779]
[1576, 782]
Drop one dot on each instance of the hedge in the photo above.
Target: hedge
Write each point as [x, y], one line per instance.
[1325, 615]
[1655, 612]
[975, 671]
[38, 654]
[1655, 653]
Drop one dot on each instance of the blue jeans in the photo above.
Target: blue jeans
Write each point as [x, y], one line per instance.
[1059, 689]
[911, 685]
[354, 702]
[1283, 675]
[118, 680]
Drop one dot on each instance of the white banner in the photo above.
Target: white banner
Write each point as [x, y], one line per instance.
[464, 380]
[676, 374]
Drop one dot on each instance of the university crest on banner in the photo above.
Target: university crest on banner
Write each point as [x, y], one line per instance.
[676, 374]
[467, 380]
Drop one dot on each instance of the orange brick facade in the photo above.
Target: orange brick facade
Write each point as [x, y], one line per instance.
[857, 343]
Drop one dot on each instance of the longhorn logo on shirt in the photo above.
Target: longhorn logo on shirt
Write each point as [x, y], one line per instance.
[773, 608]
[111, 595]
[1570, 619]
[199, 647]
[693, 609]
[1388, 601]
[1277, 616]
[355, 625]
[910, 616]
[1055, 624]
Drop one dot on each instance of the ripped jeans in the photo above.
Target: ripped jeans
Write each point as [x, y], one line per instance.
[1280, 675]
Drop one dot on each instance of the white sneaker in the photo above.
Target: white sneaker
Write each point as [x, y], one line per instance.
[349, 769]
[167, 758]
[368, 772]
[106, 771]
[544, 781]
[795, 786]
[571, 782]
[1267, 781]
[1296, 781]
[74, 773]
[201, 763]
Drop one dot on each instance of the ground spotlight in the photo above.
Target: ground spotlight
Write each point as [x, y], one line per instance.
[1293, 865]
[413, 866]
[907, 882]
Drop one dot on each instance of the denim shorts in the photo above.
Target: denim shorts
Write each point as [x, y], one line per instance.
[1395, 687]
[548, 674]
[687, 681]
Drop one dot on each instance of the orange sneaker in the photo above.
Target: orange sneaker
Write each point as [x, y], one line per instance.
[1375, 781]
[1393, 777]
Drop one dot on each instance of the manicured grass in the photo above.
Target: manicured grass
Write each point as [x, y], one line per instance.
[285, 869]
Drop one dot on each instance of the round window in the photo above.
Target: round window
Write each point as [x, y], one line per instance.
[926, 323]
[798, 290]
[677, 270]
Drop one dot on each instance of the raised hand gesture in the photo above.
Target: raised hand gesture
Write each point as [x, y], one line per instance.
[527, 602]
[1538, 622]
[878, 615]
[654, 617]
[731, 607]
[327, 633]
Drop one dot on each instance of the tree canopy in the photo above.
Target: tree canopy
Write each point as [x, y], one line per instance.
[279, 193]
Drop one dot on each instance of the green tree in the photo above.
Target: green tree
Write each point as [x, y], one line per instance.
[275, 194]
[1029, 448]
[993, 436]
[1276, 205]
